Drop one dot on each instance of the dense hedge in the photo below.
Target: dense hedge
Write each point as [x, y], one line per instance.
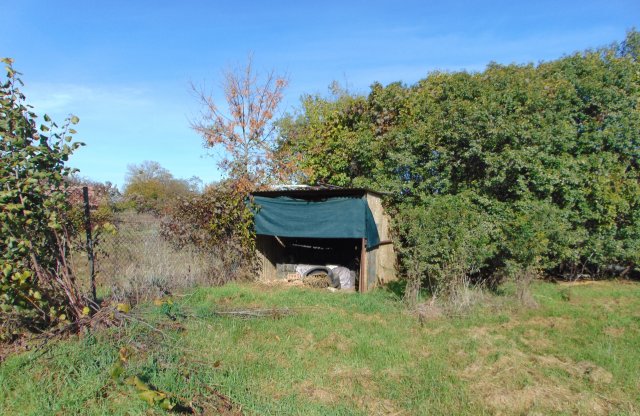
[532, 167]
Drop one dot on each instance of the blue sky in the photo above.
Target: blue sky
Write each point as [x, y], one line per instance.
[124, 67]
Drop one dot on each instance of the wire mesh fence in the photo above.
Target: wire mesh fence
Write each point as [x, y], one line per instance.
[134, 261]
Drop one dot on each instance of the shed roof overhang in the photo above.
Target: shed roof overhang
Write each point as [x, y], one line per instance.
[316, 192]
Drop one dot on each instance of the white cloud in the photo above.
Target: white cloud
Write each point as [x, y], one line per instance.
[62, 99]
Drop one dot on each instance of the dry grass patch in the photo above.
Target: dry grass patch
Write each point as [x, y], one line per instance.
[335, 342]
[615, 332]
[360, 386]
[428, 311]
[555, 322]
[376, 406]
[356, 355]
[535, 340]
[370, 318]
[519, 383]
[304, 339]
[317, 394]
[510, 381]
[343, 384]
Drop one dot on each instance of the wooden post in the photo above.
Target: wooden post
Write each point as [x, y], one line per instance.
[362, 284]
[87, 228]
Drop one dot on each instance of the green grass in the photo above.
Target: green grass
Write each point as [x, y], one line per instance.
[349, 354]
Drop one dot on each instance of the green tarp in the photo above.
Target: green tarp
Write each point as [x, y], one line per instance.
[330, 218]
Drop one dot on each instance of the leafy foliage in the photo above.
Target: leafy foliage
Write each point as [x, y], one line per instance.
[37, 287]
[105, 201]
[216, 220]
[446, 241]
[547, 153]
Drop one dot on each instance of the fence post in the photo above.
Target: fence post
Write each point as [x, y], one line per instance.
[87, 227]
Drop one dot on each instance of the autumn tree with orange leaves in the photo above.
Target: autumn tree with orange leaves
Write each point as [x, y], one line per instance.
[245, 132]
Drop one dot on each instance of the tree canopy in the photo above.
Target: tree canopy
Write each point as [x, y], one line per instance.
[153, 188]
[245, 130]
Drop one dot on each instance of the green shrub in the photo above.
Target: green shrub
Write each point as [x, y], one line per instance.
[444, 243]
[37, 287]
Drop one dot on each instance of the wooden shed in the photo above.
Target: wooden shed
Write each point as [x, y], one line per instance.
[324, 226]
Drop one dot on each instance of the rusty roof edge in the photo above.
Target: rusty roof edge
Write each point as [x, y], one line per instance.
[316, 189]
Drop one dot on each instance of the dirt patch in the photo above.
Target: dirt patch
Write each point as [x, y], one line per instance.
[9, 349]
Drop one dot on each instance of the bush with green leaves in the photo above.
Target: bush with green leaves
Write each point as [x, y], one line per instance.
[549, 152]
[444, 243]
[219, 222]
[37, 287]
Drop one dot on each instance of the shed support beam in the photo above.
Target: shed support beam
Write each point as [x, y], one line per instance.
[362, 284]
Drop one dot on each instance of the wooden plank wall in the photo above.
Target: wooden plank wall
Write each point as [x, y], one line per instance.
[382, 260]
[266, 250]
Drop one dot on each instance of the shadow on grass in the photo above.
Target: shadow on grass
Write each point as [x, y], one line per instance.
[396, 287]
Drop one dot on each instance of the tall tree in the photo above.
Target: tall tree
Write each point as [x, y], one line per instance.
[245, 131]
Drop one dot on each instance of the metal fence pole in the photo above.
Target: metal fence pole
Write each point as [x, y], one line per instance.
[87, 227]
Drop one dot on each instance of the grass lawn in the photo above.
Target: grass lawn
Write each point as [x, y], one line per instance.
[349, 354]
